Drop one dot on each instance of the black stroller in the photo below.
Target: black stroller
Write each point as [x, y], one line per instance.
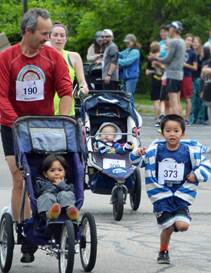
[113, 173]
[34, 138]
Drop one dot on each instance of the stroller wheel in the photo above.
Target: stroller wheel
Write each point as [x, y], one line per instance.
[118, 204]
[6, 242]
[67, 248]
[135, 195]
[88, 242]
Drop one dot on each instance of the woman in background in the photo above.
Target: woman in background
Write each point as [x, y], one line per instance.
[129, 61]
[58, 39]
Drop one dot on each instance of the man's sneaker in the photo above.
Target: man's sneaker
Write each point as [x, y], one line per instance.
[27, 258]
[28, 249]
[163, 257]
[54, 211]
[73, 213]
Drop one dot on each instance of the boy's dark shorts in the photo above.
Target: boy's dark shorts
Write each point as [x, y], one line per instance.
[7, 140]
[166, 219]
[173, 86]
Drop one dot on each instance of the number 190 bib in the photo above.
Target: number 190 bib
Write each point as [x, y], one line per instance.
[170, 171]
[29, 90]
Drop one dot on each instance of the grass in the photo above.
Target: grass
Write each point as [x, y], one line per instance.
[144, 104]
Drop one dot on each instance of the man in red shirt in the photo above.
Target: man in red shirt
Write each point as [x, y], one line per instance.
[30, 72]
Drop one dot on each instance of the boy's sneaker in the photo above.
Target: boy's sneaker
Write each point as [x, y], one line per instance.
[54, 211]
[73, 213]
[163, 257]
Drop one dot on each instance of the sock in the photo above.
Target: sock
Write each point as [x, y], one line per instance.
[163, 247]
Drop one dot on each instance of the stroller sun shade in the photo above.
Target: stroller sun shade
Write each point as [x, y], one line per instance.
[47, 134]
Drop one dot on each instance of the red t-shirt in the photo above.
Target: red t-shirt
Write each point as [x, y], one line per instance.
[27, 85]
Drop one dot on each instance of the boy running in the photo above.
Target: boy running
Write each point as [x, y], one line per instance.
[173, 169]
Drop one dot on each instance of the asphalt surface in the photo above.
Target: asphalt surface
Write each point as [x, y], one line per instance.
[131, 245]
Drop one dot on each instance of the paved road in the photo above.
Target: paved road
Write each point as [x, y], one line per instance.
[131, 246]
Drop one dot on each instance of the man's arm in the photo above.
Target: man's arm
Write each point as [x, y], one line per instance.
[6, 108]
[65, 105]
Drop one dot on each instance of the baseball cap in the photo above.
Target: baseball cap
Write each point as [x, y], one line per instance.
[130, 37]
[177, 25]
[109, 32]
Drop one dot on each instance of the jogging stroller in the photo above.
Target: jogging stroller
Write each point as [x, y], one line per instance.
[34, 138]
[112, 173]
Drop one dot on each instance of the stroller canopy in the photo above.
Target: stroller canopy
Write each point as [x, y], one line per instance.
[104, 99]
[47, 134]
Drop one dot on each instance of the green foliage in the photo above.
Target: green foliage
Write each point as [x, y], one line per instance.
[84, 17]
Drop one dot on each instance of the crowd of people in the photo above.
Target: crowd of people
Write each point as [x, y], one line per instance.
[180, 68]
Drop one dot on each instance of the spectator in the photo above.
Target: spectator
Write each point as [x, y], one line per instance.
[198, 107]
[95, 51]
[164, 105]
[110, 70]
[156, 74]
[189, 66]
[58, 39]
[24, 66]
[208, 43]
[174, 62]
[206, 81]
[129, 61]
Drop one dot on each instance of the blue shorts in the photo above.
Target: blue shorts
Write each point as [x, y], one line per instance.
[166, 219]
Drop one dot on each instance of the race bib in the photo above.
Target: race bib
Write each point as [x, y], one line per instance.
[113, 163]
[170, 171]
[30, 90]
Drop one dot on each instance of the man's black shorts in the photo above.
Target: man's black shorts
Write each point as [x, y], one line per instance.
[173, 86]
[7, 140]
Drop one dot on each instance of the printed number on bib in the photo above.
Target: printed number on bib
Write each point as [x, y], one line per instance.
[170, 171]
[29, 90]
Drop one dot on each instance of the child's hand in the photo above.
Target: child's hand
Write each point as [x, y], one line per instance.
[57, 181]
[141, 151]
[191, 178]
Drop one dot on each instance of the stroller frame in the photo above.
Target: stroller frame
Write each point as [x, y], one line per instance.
[61, 237]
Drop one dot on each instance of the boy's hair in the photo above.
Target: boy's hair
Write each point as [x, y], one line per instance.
[155, 47]
[48, 161]
[172, 117]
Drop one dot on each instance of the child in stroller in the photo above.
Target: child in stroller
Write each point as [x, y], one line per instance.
[109, 166]
[53, 192]
[106, 142]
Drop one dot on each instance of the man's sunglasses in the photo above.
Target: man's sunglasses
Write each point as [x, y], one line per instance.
[105, 36]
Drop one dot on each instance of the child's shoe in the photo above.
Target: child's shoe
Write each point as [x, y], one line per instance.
[73, 213]
[163, 257]
[54, 211]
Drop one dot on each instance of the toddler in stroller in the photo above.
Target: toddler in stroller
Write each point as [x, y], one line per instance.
[53, 192]
[106, 142]
[109, 166]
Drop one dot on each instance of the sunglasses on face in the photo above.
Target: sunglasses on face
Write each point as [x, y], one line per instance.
[106, 36]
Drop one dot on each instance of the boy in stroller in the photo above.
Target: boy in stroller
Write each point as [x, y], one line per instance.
[106, 142]
[53, 192]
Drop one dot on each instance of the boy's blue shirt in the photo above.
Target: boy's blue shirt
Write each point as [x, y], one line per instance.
[187, 191]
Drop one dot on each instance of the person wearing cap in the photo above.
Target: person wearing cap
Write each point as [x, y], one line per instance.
[174, 61]
[129, 61]
[110, 71]
[95, 51]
